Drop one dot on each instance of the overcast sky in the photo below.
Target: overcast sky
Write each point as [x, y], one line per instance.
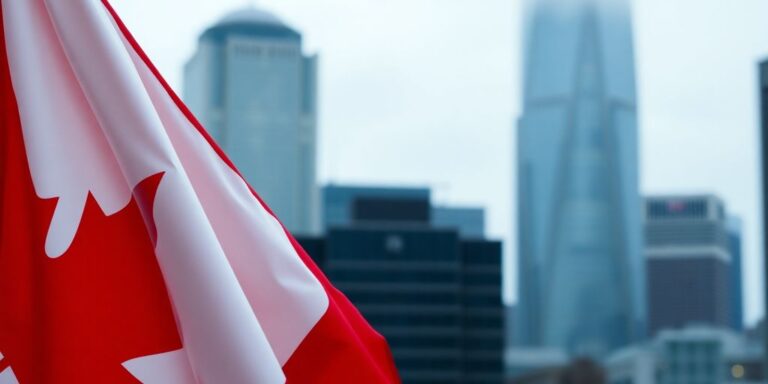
[427, 92]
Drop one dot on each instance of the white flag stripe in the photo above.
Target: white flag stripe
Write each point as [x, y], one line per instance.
[39, 69]
[164, 368]
[7, 377]
[287, 298]
[216, 322]
[215, 319]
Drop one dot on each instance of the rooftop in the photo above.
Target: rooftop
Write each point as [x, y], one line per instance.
[250, 15]
[251, 22]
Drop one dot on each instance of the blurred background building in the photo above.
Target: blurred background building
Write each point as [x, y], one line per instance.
[697, 354]
[692, 272]
[255, 92]
[736, 279]
[469, 221]
[339, 203]
[763, 102]
[434, 293]
[580, 267]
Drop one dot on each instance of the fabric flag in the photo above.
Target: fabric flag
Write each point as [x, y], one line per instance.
[131, 249]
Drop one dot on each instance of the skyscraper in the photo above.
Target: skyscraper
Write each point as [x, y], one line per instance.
[255, 91]
[688, 262]
[580, 267]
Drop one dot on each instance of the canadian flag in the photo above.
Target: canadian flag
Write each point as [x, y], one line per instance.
[131, 250]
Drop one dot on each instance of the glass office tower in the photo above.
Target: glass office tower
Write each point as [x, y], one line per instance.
[580, 266]
[255, 92]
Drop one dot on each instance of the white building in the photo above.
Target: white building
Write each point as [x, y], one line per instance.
[254, 90]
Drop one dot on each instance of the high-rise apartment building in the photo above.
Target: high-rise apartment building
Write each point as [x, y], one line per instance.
[580, 265]
[254, 90]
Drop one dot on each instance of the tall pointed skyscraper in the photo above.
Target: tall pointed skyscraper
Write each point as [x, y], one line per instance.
[580, 265]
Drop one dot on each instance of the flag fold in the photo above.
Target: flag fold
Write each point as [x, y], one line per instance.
[131, 249]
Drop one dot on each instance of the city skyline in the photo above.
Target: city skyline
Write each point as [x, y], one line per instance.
[393, 86]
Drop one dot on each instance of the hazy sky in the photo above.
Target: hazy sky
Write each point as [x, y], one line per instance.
[427, 92]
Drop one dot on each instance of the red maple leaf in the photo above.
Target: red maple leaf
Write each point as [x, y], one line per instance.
[76, 318]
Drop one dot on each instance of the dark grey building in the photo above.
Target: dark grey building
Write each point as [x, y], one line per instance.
[736, 279]
[509, 326]
[688, 262]
[341, 203]
[763, 92]
[338, 201]
[435, 297]
[482, 311]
